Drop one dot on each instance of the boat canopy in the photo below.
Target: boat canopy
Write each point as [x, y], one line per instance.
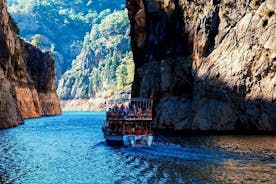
[143, 103]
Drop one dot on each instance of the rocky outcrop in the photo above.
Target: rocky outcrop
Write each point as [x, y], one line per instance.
[26, 77]
[41, 68]
[211, 65]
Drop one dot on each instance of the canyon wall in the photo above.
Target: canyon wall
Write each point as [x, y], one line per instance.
[210, 65]
[26, 77]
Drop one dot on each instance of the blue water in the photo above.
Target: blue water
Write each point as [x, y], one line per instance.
[70, 149]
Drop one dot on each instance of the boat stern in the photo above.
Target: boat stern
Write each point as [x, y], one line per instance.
[137, 140]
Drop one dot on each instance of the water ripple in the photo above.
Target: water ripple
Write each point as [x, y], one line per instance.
[71, 149]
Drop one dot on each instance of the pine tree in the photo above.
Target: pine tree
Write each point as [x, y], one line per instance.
[121, 75]
[37, 40]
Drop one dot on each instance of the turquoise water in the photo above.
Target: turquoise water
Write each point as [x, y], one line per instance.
[70, 149]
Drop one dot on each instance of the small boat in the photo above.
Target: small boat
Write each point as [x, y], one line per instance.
[128, 122]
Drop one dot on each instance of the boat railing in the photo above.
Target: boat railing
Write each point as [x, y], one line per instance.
[128, 116]
[129, 108]
[131, 103]
[126, 133]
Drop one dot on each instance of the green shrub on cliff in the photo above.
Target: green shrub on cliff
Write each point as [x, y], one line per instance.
[121, 75]
[37, 40]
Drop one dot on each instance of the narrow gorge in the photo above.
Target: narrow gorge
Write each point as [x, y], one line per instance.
[209, 65]
[26, 77]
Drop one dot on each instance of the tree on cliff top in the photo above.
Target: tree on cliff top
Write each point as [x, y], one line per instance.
[37, 40]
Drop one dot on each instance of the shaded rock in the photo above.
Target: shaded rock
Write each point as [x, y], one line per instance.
[230, 76]
[172, 109]
[41, 68]
[213, 115]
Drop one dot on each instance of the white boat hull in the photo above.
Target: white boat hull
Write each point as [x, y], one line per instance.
[136, 140]
[129, 140]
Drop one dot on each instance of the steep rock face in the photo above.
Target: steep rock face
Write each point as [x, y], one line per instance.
[9, 112]
[21, 95]
[210, 65]
[41, 68]
[10, 115]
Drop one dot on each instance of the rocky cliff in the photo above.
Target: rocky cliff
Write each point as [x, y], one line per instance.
[210, 65]
[26, 77]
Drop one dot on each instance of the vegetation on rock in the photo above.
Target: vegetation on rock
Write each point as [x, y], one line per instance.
[105, 63]
[37, 40]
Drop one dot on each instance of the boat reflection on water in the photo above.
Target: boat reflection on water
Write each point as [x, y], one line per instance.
[128, 122]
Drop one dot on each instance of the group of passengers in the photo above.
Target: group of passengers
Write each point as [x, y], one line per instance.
[138, 130]
[121, 129]
[126, 111]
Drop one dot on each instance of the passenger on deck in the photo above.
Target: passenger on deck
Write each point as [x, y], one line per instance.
[134, 108]
[139, 113]
[116, 108]
[145, 132]
[123, 128]
[126, 111]
[149, 112]
[109, 112]
[112, 127]
[113, 112]
[128, 130]
[117, 114]
[139, 131]
[122, 108]
[132, 130]
[122, 131]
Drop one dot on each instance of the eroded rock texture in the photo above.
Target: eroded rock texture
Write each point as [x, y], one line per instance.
[211, 65]
[26, 77]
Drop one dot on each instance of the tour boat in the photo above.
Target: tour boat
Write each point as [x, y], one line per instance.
[128, 122]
